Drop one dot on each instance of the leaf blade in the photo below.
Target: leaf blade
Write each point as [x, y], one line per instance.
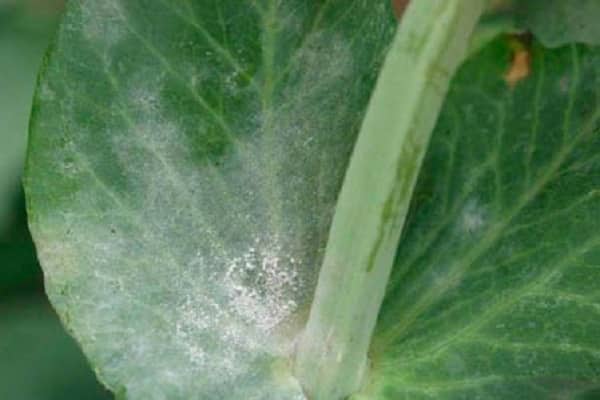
[479, 307]
[179, 238]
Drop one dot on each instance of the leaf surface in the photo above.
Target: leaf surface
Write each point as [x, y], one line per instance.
[184, 162]
[495, 293]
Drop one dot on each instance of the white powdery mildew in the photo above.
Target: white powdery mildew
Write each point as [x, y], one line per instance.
[199, 74]
[324, 60]
[153, 150]
[46, 93]
[102, 22]
[158, 135]
[207, 288]
[221, 316]
[260, 290]
[146, 100]
[59, 255]
[192, 319]
[224, 307]
[143, 89]
[231, 83]
[473, 217]
[216, 330]
[255, 293]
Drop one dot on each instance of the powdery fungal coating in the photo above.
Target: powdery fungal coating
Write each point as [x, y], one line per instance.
[473, 217]
[195, 183]
[260, 291]
[101, 22]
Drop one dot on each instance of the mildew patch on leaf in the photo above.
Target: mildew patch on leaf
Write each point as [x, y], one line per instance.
[101, 23]
[182, 180]
[472, 218]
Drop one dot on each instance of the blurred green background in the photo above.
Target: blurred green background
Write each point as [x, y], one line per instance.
[38, 359]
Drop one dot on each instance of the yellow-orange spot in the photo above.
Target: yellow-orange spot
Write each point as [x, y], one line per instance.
[399, 7]
[520, 67]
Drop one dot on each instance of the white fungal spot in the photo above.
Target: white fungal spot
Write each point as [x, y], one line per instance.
[102, 22]
[46, 93]
[262, 285]
[472, 217]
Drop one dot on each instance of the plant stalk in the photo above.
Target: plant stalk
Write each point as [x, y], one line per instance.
[331, 361]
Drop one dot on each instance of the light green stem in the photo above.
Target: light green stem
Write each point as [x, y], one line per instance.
[431, 42]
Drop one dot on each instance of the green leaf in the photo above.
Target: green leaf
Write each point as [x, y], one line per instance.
[554, 23]
[559, 22]
[495, 293]
[184, 163]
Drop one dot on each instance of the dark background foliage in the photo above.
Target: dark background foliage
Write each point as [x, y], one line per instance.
[38, 359]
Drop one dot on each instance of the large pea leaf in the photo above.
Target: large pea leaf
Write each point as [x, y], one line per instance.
[496, 288]
[184, 162]
[181, 217]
